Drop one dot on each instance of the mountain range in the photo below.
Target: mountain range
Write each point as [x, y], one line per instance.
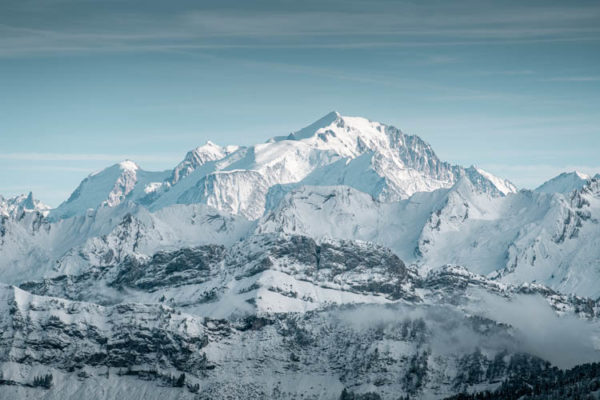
[343, 259]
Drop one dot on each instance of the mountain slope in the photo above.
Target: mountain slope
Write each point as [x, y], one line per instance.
[455, 332]
[198, 157]
[524, 237]
[34, 247]
[344, 260]
[564, 183]
[15, 207]
[370, 156]
[109, 188]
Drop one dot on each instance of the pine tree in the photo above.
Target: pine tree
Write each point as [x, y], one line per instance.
[180, 381]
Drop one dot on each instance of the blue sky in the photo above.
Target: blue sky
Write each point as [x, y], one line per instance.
[512, 87]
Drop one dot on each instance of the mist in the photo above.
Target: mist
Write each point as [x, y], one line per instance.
[564, 340]
[522, 324]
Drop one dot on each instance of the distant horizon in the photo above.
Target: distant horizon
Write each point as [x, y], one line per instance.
[512, 87]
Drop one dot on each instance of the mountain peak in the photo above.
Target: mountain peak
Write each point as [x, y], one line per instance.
[199, 156]
[109, 187]
[333, 115]
[380, 160]
[581, 175]
[503, 185]
[118, 168]
[128, 165]
[21, 203]
[208, 145]
[564, 183]
[29, 203]
[310, 130]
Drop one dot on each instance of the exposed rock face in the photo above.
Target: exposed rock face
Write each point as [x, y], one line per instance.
[164, 269]
[416, 335]
[355, 267]
[71, 335]
[353, 346]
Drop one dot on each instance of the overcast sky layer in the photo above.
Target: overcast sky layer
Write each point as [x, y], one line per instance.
[512, 87]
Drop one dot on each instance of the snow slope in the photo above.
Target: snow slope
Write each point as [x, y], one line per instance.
[564, 183]
[16, 206]
[370, 156]
[457, 330]
[109, 187]
[523, 237]
[344, 256]
[34, 247]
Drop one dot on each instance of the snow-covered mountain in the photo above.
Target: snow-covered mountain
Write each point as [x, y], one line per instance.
[199, 157]
[343, 260]
[336, 150]
[16, 206]
[564, 183]
[35, 247]
[525, 237]
[324, 318]
[109, 188]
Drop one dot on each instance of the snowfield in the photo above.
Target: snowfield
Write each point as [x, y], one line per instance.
[343, 257]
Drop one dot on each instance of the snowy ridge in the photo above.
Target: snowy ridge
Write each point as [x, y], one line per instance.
[524, 237]
[428, 333]
[342, 259]
[109, 188]
[34, 247]
[486, 182]
[16, 206]
[564, 183]
[280, 273]
[198, 157]
[370, 156]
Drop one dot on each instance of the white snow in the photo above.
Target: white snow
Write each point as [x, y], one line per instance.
[564, 183]
[502, 185]
[369, 156]
[337, 190]
[14, 206]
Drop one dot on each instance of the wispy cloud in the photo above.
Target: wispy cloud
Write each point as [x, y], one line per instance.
[573, 79]
[51, 49]
[509, 72]
[441, 59]
[376, 24]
